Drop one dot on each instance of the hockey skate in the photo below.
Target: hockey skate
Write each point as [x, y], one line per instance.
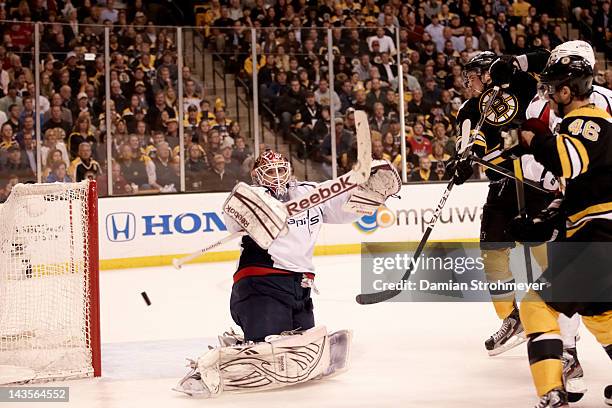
[196, 383]
[556, 398]
[608, 395]
[573, 376]
[510, 335]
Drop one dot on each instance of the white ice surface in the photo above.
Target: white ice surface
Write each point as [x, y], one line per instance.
[404, 354]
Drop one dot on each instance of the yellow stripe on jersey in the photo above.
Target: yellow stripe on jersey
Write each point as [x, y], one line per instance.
[498, 160]
[582, 152]
[518, 169]
[576, 221]
[589, 111]
[566, 166]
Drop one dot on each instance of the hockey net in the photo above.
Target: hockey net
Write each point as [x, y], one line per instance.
[49, 314]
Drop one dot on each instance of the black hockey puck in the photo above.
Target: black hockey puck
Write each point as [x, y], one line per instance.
[146, 298]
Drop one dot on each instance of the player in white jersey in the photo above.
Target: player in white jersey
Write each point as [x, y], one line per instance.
[540, 109]
[270, 297]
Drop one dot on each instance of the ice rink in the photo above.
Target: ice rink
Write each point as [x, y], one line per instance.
[404, 354]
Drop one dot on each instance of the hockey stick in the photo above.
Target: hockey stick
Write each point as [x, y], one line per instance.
[377, 297]
[322, 193]
[178, 262]
[520, 198]
[507, 173]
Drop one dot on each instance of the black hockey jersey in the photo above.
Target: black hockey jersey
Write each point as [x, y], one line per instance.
[581, 152]
[507, 112]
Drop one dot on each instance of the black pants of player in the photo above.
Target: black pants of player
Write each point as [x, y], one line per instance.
[579, 271]
[501, 207]
[271, 304]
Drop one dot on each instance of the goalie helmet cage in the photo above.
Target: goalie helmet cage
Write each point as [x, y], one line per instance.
[49, 291]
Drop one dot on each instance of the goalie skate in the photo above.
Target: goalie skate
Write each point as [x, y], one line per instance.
[510, 335]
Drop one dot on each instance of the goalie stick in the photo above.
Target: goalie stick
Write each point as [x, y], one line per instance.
[377, 297]
[323, 192]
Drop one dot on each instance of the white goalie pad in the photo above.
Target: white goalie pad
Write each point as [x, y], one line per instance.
[278, 362]
[383, 183]
[262, 216]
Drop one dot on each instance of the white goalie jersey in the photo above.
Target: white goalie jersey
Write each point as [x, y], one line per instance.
[293, 251]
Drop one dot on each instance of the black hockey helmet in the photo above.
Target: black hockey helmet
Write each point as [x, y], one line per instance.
[573, 71]
[479, 64]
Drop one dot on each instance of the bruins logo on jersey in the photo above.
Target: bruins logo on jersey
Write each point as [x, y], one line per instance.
[502, 111]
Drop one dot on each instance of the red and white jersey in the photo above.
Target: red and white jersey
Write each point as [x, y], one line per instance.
[538, 108]
[293, 252]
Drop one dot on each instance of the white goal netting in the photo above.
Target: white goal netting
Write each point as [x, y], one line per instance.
[46, 269]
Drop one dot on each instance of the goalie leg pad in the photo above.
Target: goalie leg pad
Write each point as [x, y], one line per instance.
[262, 216]
[280, 361]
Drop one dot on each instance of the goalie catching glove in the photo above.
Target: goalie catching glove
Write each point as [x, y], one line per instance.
[262, 216]
[384, 182]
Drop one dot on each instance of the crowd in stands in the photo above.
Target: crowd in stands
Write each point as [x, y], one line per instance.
[143, 101]
[436, 38]
[432, 39]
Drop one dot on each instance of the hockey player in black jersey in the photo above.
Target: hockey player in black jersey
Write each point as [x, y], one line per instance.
[518, 86]
[578, 276]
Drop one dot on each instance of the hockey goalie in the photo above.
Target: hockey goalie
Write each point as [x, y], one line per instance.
[271, 295]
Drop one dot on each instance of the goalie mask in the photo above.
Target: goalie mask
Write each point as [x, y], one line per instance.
[273, 171]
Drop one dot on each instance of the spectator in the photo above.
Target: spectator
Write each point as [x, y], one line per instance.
[84, 166]
[55, 121]
[29, 151]
[58, 173]
[164, 180]
[134, 168]
[379, 122]
[289, 104]
[53, 155]
[52, 142]
[423, 172]
[10, 99]
[154, 115]
[120, 184]
[218, 178]
[232, 166]
[421, 146]
[16, 165]
[386, 43]
[377, 94]
[241, 150]
[13, 117]
[308, 116]
[322, 96]
[195, 168]
[82, 133]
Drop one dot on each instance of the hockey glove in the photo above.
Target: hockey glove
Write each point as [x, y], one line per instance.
[546, 226]
[461, 170]
[502, 70]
